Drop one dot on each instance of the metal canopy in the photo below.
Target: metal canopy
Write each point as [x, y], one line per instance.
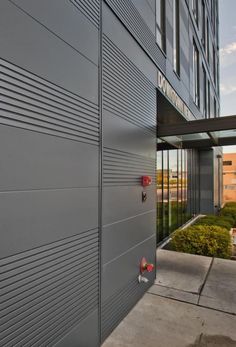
[197, 133]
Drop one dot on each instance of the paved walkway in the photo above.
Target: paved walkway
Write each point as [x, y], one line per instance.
[192, 303]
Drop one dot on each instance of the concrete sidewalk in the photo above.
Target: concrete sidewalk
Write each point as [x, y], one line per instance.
[192, 303]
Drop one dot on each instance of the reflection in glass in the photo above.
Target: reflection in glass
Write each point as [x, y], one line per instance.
[173, 191]
[180, 187]
[173, 203]
[159, 197]
[165, 200]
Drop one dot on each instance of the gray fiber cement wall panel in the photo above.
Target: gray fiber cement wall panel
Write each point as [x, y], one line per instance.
[123, 135]
[37, 217]
[34, 48]
[55, 16]
[127, 202]
[30, 160]
[119, 271]
[49, 137]
[85, 334]
[129, 139]
[119, 237]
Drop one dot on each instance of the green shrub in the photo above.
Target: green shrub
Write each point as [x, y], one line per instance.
[212, 241]
[222, 221]
[229, 212]
[230, 204]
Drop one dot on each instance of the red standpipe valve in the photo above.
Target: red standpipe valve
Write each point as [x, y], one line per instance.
[146, 181]
[149, 267]
[145, 266]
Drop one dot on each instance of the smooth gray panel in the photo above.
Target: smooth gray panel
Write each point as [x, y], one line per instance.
[31, 46]
[123, 269]
[31, 160]
[84, 335]
[33, 218]
[124, 202]
[55, 13]
[123, 135]
[121, 236]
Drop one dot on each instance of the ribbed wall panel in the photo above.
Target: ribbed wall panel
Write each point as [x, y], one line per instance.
[90, 8]
[46, 291]
[122, 168]
[116, 307]
[30, 102]
[131, 18]
[124, 86]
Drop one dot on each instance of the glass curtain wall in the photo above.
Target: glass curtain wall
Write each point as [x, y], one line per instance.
[174, 198]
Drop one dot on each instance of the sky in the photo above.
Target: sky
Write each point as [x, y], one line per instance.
[227, 30]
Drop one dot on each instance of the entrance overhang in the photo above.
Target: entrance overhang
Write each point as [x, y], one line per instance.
[203, 133]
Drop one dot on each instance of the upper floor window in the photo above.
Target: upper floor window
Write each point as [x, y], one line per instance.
[195, 9]
[195, 74]
[215, 108]
[204, 92]
[207, 41]
[160, 23]
[209, 99]
[227, 162]
[214, 63]
[176, 60]
[203, 25]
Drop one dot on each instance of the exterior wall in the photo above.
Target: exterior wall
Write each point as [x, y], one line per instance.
[49, 140]
[210, 180]
[78, 130]
[129, 151]
[229, 177]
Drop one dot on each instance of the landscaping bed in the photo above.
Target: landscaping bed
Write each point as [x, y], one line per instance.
[209, 236]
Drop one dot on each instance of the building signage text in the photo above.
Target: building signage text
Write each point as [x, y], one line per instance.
[167, 90]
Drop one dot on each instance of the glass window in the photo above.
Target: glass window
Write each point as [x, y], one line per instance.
[180, 191]
[209, 99]
[214, 63]
[165, 194]
[203, 25]
[215, 108]
[173, 190]
[186, 215]
[207, 41]
[176, 61]
[195, 9]
[204, 92]
[227, 162]
[159, 197]
[174, 206]
[160, 23]
[195, 74]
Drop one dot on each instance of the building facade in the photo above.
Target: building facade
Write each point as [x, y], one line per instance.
[84, 84]
[229, 177]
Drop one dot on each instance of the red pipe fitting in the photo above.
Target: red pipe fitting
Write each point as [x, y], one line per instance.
[145, 266]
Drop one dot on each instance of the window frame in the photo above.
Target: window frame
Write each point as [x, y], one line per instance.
[205, 103]
[195, 11]
[196, 84]
[204, 25]
[207, 47]
[209, 98]
[160, 26]
[176, 37]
